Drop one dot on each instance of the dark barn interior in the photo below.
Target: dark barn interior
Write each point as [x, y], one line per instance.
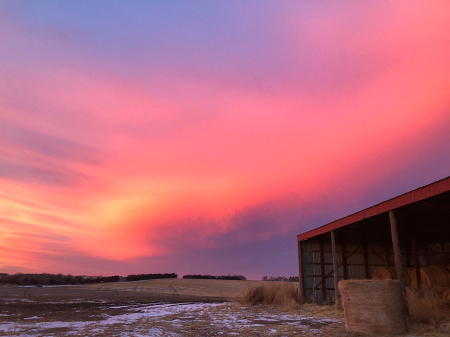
[409, 231]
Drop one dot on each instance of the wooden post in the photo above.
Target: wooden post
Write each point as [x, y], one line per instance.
[427, 256]
[366, 268]
[322, 271]
[301, 298]
[416, 263]
[335, 269]
[444, 255]
[386, 255]
[398, 257]
[344, 257]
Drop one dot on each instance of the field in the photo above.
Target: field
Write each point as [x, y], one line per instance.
[212, 289]
[171, 307]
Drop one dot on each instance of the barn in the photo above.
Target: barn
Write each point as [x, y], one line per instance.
[407, 235]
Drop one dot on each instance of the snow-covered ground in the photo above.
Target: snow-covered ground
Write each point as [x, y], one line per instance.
[184, 319]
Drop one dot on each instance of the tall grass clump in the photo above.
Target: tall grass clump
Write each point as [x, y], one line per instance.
[278, 294]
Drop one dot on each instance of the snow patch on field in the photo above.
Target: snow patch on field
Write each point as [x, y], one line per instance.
[171, 320]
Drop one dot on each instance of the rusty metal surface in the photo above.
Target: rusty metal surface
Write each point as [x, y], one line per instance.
[421, 193]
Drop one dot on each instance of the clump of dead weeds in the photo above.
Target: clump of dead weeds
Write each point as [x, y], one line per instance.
[282, 294]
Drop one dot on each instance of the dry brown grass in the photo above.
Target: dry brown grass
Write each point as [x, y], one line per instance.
[428, 307]
[179, 287]
[280, 294]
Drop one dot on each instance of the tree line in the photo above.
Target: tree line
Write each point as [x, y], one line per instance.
[281, 278]
[60, 279]
[141, 277]
[211, 277]
[53, 279]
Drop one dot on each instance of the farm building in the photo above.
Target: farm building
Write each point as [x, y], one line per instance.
[406, 238]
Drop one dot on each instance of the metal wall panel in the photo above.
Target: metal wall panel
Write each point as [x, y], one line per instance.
[375, 257]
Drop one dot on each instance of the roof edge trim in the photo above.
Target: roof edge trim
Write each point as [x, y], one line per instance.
[410, 197]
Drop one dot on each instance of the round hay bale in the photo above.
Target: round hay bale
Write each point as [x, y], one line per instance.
[411, 292]
[390, 273]
[410, 271]
[446, 295]
[384, 273]
[429, 293]
[434, 276]
[373, 306]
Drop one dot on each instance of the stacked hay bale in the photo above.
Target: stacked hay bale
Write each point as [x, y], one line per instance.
[446, 295]
[390, 273]
[434, 276]
[373, 307]
[411, 292]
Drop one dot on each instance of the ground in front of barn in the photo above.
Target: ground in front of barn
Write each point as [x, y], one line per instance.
[88, 311]
[166, 319]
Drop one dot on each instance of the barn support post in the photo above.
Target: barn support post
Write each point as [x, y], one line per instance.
[301, 298]
[364, 251]
[398, 257]
[416, 263]
[444, 255]
[335, 268]
[386, 254]
[344, 257]
[427, 257]
[322, 270]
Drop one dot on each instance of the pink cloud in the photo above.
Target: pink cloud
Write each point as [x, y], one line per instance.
[128, 166]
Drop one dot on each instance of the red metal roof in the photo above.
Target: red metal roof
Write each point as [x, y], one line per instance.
[421, 193]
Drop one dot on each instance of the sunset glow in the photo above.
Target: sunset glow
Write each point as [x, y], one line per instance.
[140, 137]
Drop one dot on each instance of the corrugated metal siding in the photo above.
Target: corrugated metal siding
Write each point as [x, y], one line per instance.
[311, 269]
[424, 192]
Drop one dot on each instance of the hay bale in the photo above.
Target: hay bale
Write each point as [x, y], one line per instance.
[390, 273]
[444, 327]
[429, 292]
[373, 306]
[446, 295]
[384, 273]
[434, 276]
[411, 292]
[427, 306]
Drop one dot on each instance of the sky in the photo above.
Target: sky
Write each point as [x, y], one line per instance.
[201, 137]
